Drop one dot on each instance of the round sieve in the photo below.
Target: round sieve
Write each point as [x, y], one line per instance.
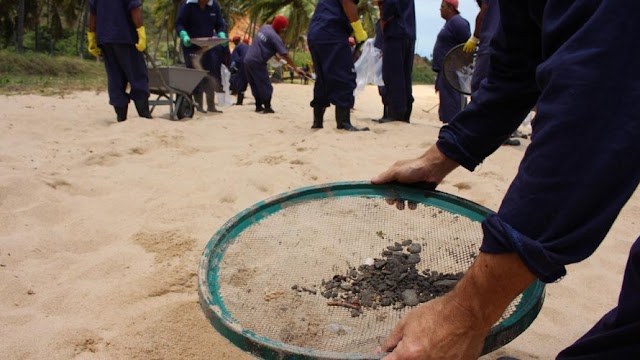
[458, 69]
[263, 276]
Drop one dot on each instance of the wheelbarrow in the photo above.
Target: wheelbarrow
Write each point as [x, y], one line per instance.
[173, 85]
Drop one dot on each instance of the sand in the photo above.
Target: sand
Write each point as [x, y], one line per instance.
[102, 224]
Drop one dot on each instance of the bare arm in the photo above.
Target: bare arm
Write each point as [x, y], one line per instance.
[136, 16]
[479, 18]
[92, 23]
[454, 326]
[351, 10]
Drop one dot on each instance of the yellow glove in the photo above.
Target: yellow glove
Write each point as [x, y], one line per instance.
[358, 31]
[471, 44]
[93, 44]
[142, 39]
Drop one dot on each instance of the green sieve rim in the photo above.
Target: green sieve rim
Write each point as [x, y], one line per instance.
[222, 320]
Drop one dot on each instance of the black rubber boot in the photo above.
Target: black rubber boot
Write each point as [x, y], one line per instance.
[384, 114]
[240, 98]
[407, 114]
[318, 117]
[343, 120]
[142, 106]
[211, 103]
[267, 107]
[197, 98]
[259, 107]
[121, 113]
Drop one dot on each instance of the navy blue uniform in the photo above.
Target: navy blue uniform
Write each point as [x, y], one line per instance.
[328, 39]
[488, 27]
[117, 36]
[455, 31]
[239, 79]
[198, 22]
[399, 18]
[378, 43]
[265, 45]
[582, 164]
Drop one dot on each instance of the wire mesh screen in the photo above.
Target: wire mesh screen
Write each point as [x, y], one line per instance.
[458, 69]
[307, 243]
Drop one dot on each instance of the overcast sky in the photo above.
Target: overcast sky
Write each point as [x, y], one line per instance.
[429, 22]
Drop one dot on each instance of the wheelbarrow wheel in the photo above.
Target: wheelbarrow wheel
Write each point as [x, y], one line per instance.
[184, 107]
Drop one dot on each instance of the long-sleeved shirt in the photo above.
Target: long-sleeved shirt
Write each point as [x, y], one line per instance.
[578, 62]
[113, 21]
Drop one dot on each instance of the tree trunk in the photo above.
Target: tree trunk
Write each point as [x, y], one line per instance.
[20, 27]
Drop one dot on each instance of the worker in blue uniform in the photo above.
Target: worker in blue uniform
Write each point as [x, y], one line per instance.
[266, 43]
[239, 78]
[196, 19]
[486, 25]
[116, 31]
[454, 32]
[378, 43]
[331, 25]
[575, 177]
[398, 23]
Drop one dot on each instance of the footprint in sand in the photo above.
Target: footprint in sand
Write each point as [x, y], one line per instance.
[462, 186]
[107, 159]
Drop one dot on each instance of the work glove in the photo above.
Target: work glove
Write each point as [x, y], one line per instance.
[223, 35]
[471, 44]
[358, 31]
[93, 44]
[186, 40]
[142, 39]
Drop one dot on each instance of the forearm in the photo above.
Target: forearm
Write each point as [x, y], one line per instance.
[350, 8]
[290, 61]
[92, 23]
[479, 19]
[136, 16]
[490, 285]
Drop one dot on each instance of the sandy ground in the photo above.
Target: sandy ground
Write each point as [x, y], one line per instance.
[102, 224]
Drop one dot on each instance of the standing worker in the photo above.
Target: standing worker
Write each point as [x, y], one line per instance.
[398, 25]
[577, 174]
[332, 23]
[200, 18]
[117, 32]
[237, 64]
[454, 32]
[266, 44]
[487, 22]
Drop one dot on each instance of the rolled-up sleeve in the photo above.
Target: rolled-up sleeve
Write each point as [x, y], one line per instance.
[583, 162]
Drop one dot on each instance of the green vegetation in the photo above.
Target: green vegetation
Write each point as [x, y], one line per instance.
[42, 74]
[422, 73]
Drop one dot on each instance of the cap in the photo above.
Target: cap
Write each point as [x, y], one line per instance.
[236, 39]
[453, 3]
[279, 22]
[246, 40]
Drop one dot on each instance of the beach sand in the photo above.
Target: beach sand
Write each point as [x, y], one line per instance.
[102, 224]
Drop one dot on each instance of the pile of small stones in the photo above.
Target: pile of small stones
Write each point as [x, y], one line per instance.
[391, 280]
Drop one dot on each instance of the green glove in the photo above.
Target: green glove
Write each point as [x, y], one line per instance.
[223, 35]
[471, 44]
[93, 44]
[186, 40]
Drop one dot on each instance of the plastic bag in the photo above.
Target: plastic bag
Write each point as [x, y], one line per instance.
[224, 98]
[368, 67]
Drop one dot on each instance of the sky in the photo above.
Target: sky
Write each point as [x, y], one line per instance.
[429, 22]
